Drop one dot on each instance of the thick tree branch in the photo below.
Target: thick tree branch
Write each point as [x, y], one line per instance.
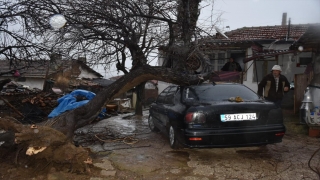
[77, 118]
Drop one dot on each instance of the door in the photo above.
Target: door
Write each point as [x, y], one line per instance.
[238, 57]
[262, 68]
[167, 110]
[157, 109]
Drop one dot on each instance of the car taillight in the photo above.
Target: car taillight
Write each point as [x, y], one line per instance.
[195, 117]
[195, 139]
[280, 134]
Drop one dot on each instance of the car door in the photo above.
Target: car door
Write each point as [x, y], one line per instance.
[156, 109]
[165, 110]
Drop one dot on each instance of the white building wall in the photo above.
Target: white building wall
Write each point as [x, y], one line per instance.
[288, 63]
[31, 82]
[86, 74]
[150, 85]
[249, 68]
[273, 46]
[162, 86]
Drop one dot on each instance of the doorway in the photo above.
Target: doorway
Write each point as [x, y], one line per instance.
[238, 57]
[263, 68]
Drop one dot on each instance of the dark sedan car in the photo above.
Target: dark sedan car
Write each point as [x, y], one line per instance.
[216, 115]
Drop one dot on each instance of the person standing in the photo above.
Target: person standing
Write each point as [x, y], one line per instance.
[274, 85]
[231, 66]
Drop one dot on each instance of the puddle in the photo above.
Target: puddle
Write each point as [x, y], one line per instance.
[123, 126]
[117, 132]
[176, 159]
[177, 155]
[261, 152]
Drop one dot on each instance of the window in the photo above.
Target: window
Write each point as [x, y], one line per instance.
[304, 61]
[212, 57]
[221, 60]
[169, 99]
[217, 60]
[21, 79]
[162, 95]
[209, 93]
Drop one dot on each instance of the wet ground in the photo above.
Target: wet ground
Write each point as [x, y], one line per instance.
[131, 151]
[123, 147]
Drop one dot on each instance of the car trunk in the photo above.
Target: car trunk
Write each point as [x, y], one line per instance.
[265, 114]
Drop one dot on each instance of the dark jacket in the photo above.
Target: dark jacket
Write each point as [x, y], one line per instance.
[227, 66]
[268, 84]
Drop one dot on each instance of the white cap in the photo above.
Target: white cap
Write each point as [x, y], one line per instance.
[276, 67]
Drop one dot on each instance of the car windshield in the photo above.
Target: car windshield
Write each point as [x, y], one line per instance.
[209, 93]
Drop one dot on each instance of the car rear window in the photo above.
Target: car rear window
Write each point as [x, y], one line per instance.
[209, 93]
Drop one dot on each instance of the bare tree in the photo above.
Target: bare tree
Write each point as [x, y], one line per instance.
[113, 32]
[17, 44]
[106, 32]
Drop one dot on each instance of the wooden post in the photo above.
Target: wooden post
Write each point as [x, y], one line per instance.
[12, 107]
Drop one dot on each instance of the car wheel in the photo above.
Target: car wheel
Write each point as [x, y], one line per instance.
[173, 138]
[152, 125]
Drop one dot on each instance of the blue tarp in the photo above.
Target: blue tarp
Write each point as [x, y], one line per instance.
[69, 101]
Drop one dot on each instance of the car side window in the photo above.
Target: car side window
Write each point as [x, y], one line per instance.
[170, 95]
[162, 95]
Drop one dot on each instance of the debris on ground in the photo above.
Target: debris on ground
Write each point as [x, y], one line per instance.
[13, 88]
[32, 105]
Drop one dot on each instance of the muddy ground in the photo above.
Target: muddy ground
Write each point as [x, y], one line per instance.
[122, 147]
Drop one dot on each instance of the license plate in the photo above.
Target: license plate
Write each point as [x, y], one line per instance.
[238, 117]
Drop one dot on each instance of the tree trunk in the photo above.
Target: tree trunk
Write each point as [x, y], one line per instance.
[38, 143]
[69, 121]
[53, 138]
[188, 13]
[140, 98]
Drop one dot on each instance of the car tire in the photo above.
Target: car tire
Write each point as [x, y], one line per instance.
[151, 124]
[174, 144]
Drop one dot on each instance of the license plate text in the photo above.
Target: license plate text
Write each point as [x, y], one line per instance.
[238, 117]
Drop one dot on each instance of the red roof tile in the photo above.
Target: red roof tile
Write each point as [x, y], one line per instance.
[39, 68]
[268, 32]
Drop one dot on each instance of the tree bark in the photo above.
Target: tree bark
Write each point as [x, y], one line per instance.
[39, 143]
[188, 13]
[71, 120]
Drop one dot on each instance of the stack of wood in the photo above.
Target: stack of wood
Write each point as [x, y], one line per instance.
[43, 100]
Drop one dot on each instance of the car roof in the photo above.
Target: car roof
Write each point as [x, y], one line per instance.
[220, 83]
[210, 83]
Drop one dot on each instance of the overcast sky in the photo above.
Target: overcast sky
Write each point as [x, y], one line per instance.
[248, 13]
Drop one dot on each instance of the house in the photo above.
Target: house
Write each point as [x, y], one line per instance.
[44, 73]
[272, 46]
[282, 45]
[257, 49]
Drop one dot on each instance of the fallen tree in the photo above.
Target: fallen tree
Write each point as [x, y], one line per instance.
[68, 122]
[51, 140]
[41, 146]
[104, 31]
